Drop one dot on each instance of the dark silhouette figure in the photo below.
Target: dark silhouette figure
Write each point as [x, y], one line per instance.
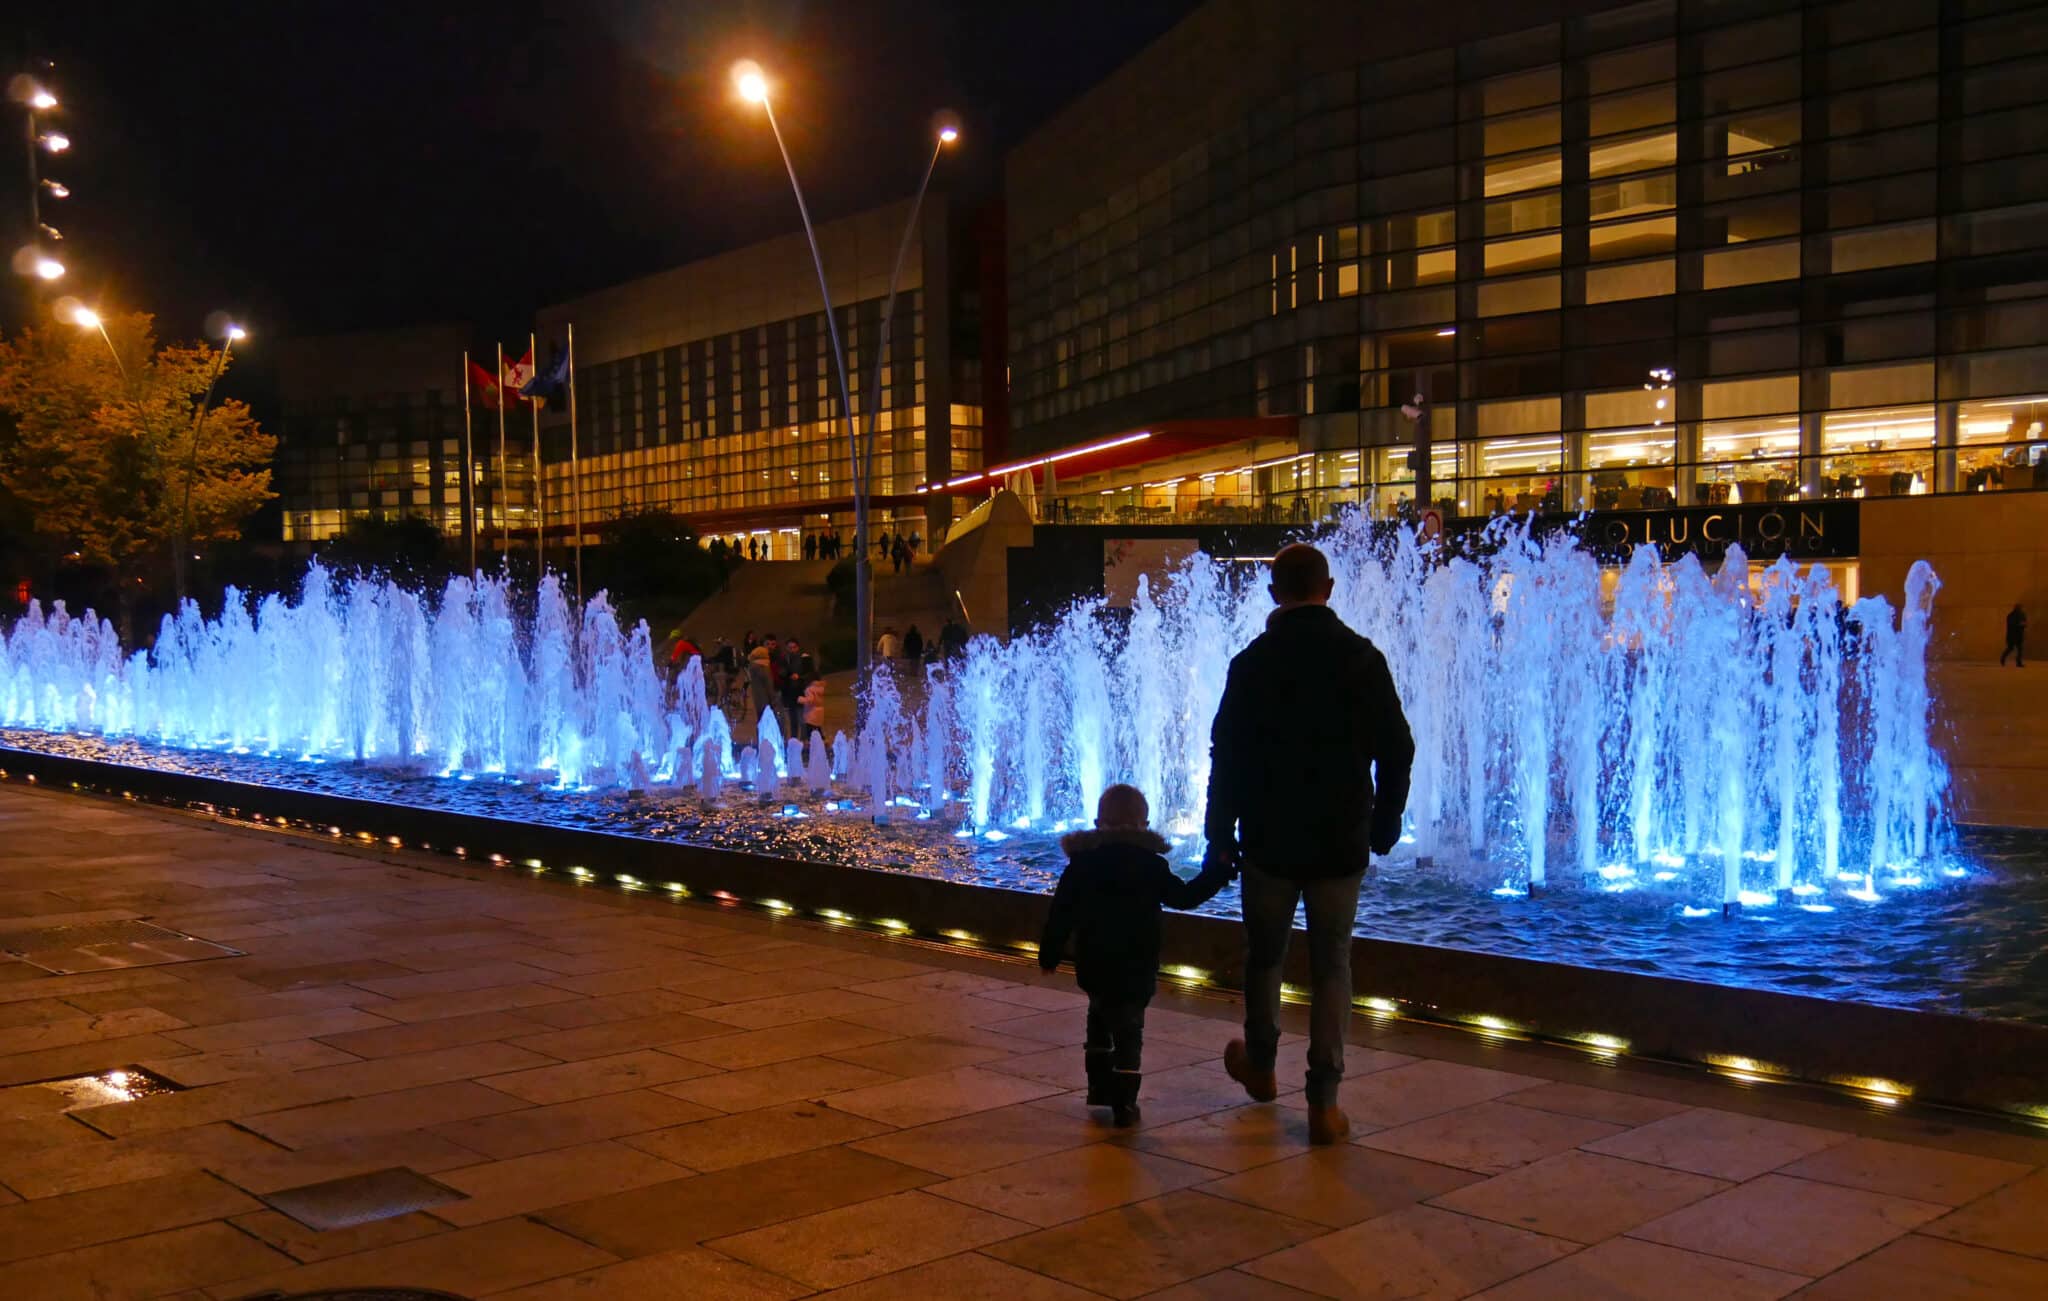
[1310, 755]
[2015, 637]
[1108, 901]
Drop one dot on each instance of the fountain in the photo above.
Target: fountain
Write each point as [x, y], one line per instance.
[1645, 744]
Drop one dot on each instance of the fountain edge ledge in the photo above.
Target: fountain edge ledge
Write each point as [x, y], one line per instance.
[1883, 1052]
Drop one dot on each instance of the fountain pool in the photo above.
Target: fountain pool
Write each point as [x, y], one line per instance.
[1638, 749]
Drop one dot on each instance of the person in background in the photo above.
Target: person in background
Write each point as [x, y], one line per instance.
[889, 645]
[747, 643]
[1308, 779]
[915, 541]
[763, 665]
[683, 651]
[812, 702]
[952, 638]
[796, 667]
[913, 644]
[1108, 902]
[2015, 637]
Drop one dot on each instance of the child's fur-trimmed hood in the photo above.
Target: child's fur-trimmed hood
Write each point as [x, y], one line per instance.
[1080, 842]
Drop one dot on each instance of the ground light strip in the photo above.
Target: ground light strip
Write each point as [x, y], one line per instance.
[1610, 1048]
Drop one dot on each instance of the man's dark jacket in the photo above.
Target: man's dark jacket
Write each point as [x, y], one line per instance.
[1108, 901]
[1310, 752]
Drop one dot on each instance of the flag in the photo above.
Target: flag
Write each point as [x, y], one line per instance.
[486, 387]
[518, 374]
[549, 383]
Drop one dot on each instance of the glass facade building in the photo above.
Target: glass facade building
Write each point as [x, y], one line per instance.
[1682, 252]
[373, 426]
[709, 391]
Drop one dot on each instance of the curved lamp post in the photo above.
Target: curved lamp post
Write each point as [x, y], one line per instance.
[945, 130]
[752, 85]
[179, 544]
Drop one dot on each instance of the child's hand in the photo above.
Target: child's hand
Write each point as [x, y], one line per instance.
[1220, 860]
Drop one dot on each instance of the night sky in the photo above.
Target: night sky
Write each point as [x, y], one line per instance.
[317, 166]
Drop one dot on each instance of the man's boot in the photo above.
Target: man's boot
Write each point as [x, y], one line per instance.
[1101, 1089]
[1327, 1124]
[1259, 1084]
[1124, 1109]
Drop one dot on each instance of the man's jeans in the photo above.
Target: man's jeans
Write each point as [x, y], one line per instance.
[1269, 903]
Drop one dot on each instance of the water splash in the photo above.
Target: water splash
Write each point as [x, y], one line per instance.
[1704, 736]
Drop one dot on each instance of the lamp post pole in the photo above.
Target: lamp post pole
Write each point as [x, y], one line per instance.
[754, 86]
[183, 538]
[864, 613]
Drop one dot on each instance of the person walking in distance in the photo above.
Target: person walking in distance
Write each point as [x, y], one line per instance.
[2015, 637]
[1308, 778]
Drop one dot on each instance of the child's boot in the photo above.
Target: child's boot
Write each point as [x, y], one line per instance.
[1124, 1105]
[1101, 1091]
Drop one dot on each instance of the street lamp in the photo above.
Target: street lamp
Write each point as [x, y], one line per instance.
[87, 319]
[230, 335]
[945, 130]
[49, 268]
[752, 85]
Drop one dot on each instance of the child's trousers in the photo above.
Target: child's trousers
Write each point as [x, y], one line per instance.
[1116, 1031]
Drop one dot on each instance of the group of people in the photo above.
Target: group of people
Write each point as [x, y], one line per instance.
[914, 648]
[1308, 780]
[898, 550]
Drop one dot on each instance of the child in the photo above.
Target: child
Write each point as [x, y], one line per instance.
[1109, 900]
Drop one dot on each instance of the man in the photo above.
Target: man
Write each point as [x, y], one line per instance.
[2015, 637]
[764, 674]
[888, 646]
[1309, 776]
[791, 684]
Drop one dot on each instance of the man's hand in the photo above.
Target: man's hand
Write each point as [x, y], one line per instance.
[1385, 838]
[1221, 859]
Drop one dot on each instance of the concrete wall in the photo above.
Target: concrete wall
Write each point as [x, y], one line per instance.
[975, 560]
[1989, 549]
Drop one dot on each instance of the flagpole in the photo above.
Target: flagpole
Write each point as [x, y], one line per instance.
[468, 497]
[503, 504]
[540, 510]
[575, 467]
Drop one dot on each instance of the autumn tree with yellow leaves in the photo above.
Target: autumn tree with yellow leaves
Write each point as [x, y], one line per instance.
[102, 440]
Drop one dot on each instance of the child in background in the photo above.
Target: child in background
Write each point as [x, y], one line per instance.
[1108, 901]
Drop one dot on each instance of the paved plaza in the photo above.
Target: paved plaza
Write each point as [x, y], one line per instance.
[596, 1096]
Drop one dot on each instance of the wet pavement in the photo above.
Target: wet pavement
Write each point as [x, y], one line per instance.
[499, 1087]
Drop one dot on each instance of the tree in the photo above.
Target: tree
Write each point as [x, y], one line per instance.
[97, 446]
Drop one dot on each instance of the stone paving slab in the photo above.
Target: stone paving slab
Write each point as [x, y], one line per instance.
[639, 1098]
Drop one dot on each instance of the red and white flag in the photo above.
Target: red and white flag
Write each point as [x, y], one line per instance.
[518, 374]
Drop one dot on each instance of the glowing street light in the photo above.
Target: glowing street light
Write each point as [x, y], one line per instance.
[87, 319]
[55, 141]
[49, 268]
[57, 189]
[748, 80]
[41, 100]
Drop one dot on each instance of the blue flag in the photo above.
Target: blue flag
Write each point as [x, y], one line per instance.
[551, 382]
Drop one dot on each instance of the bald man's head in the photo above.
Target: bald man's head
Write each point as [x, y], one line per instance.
[1301, 576]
